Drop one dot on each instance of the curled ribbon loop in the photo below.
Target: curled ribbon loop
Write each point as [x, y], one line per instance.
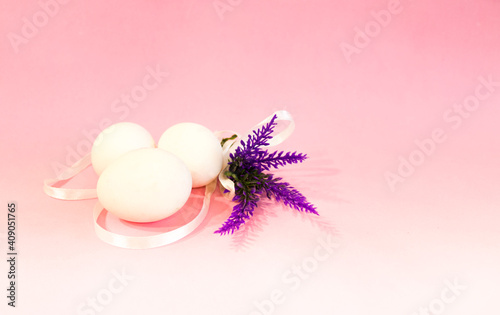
[145, 242]
[281, 116]
[70, 193]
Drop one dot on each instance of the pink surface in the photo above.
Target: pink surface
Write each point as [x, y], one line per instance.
[368, 89]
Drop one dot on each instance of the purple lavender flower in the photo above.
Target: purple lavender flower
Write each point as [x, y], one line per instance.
[245, 169]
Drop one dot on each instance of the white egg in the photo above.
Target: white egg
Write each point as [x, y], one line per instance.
[117, 140]
[144, 185]
[197, 147]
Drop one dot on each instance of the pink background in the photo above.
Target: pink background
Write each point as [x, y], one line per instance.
[229, 70]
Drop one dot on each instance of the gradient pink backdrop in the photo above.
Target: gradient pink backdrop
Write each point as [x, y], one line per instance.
[229, 71]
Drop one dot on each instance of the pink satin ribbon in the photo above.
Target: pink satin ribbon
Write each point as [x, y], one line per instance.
[145, 242]
[68, 193]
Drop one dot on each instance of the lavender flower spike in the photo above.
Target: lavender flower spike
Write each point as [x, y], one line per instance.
[245, 169]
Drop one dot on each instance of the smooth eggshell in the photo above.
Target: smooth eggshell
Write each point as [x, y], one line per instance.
[197, 147]
[144, 185]
[117, 140]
